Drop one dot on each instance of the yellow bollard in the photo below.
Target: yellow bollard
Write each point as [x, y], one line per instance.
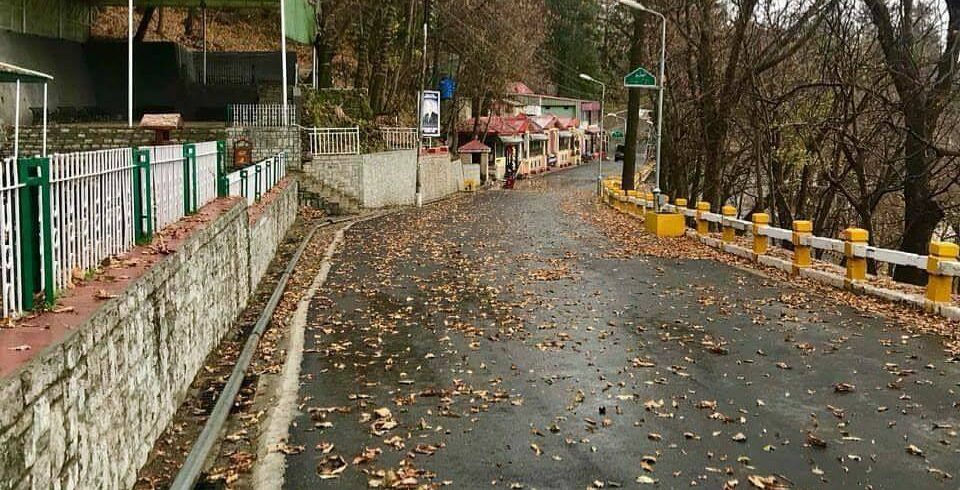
[648, 197]
[939, 287]
[856, 266]
[760, 242]
[631, 207]
[680, 202]
[729, 232]
[801, 253]
[703, 226]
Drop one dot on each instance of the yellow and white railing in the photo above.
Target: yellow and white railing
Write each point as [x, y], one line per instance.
[941, 263]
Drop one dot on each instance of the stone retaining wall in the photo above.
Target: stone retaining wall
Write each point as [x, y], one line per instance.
[342, 172]
[388, 178]
[268, 228]
[267, 142]
[440, 176]
[86, 412]
[68, 139]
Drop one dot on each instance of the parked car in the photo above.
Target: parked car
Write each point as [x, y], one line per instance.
[618, 154]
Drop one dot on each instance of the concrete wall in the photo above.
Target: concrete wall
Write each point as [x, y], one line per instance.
[86, 412]
[440, 176]
[388, 178]
[64, 60]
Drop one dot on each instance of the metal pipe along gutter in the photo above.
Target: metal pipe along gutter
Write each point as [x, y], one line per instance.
[193, 465]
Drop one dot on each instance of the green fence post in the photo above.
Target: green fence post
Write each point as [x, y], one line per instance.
[269, 177]
[142, 197]
[223, 186]
[29, 222]
[256, 182]
[35, 209]
[189, 179]
[243, 184]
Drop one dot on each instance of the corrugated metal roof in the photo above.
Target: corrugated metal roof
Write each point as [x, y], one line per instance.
[12, 73]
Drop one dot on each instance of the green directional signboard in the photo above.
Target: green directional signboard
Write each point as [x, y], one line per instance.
[617, 134]
[640, 78]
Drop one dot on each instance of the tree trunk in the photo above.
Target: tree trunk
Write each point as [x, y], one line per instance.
[144, 24]
[627, 176]
[921, 213]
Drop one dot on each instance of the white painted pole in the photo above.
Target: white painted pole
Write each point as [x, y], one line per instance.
[204, 10]
[663, 82]
[44, 118]
[603, 97]
[130, 63]
[283, 58]
[315, 59]
[16, 123]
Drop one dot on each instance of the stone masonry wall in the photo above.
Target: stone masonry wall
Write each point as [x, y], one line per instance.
[341, 172]
[269, 228]
[68, 139]
[86, 412]
[267, 142]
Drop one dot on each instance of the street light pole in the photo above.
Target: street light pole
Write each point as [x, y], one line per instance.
[603, 96]
[618, 116]
[663, 58]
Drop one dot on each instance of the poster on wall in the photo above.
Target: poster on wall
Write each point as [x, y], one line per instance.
[430, 113]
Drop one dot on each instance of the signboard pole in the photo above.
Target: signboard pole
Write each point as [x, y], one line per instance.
[663, 61]
[418, 198]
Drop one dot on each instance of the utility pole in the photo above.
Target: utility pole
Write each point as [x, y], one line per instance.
[423, 78]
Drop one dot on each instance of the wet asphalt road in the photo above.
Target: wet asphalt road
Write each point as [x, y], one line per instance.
[514, 348]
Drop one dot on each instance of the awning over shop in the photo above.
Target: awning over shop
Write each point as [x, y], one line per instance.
[511, 140]
[566, 134]
[538, 137]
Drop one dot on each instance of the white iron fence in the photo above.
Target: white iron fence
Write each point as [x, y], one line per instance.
[62, 216]
[207, 155]
[166, 175]
[333, 141]
[254, 181]
[91, 197]
[261, 115]
[399, 138]
[10, 257]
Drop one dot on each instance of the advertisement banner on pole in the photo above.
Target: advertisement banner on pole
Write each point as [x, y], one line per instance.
[430, 113]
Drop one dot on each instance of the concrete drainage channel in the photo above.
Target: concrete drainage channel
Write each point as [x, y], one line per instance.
[193, 466]
[278, 422]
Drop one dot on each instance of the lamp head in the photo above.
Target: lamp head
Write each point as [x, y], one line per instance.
[633, 4]
[586, 77]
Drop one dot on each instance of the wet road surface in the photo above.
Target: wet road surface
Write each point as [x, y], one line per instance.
[501, 341]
